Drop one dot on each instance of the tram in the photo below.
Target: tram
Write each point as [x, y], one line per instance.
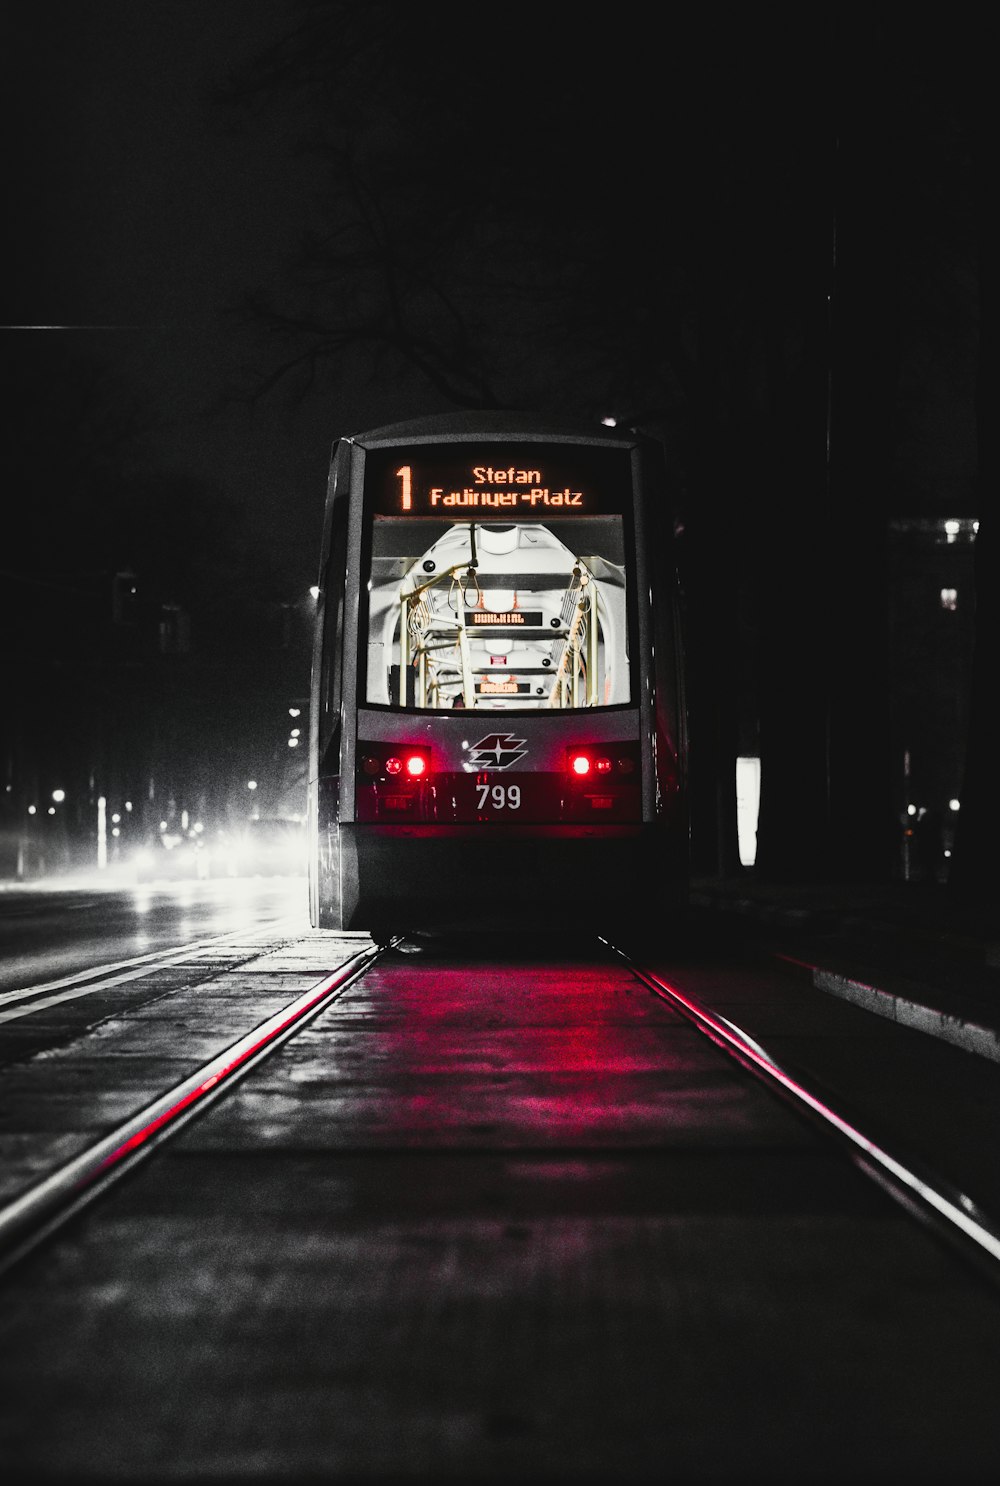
[497, 729]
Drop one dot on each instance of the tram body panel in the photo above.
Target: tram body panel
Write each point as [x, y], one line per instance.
[463, 757]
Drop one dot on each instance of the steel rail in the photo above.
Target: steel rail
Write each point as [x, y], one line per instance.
[922, 1192]
[37, 1212]
[102, 977]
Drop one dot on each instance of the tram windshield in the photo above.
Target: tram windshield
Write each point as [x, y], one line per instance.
[497, 615]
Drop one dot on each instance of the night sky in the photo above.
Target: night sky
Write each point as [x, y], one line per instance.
[143, 215]
[148, 209]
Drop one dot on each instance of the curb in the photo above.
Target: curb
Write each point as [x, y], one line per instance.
[958, 1030]
[909, 1008]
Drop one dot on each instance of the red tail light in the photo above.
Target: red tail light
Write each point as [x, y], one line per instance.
[395, 762]
[602, 782]
[394, 779]
[613, 759]
[413, 765]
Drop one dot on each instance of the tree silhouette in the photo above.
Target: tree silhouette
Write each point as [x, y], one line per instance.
[718, 240]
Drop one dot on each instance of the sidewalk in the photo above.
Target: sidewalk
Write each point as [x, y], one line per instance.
[901, 950]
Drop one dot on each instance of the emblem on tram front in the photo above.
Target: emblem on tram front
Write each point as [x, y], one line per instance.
[497, 751]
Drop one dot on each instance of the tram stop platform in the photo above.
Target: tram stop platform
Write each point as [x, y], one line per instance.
[906, 951]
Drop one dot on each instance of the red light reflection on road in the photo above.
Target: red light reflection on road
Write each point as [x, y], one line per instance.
[523, 1055]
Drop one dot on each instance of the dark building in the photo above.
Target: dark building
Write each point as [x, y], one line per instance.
[931, 635]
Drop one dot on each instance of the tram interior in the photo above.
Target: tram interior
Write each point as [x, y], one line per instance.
[496, 616]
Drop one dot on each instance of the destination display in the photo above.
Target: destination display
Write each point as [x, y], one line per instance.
[512, 482]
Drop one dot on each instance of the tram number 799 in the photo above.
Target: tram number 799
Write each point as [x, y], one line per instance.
[499, 796]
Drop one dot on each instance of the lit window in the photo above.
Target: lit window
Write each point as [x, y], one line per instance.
[949, 598]
[450, 602]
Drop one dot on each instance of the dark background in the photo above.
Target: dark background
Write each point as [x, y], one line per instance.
[240, 230]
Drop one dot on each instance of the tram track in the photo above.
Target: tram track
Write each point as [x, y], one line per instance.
[522, 1216]
[953, 1214]
[47, 1204]
[26, 1001]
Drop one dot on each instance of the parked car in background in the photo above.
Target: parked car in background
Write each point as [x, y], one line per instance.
[172, 856]
[271, 846]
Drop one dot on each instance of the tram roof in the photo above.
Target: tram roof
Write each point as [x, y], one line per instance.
[492, 423]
